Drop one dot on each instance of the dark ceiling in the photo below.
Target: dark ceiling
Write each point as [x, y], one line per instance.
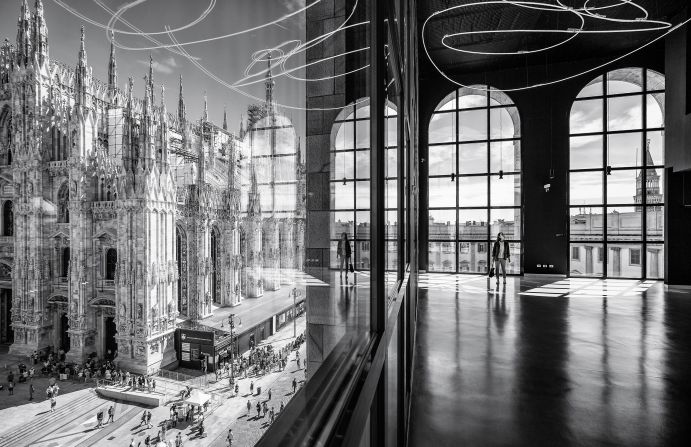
[494, 16]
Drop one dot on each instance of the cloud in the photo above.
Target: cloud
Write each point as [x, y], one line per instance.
[165, 66]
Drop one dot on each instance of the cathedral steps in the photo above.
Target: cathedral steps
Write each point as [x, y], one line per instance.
[47, 422]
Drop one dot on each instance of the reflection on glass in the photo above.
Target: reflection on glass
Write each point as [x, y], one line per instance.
[343, 195]
[586, 152]
[585, 188]
[472, 158]
[624, 149]
[442, 192]
[343, 166]
[505, 191]
[505, 156]
[472, 191]
[442, 225]
[586, 223]
[621, 186]
[441, 256]
[586, 259]
[624, 260]
[624, 223]
[342, 222]
[507, 221]
[472, 224]
[472, 125]
[442, 128]
[362, 255]
[442, 159]
[624, 113]
[586, 116]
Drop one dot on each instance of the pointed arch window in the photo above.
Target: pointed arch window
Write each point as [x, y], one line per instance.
[111, 263]
[63, 204]
[616, 184]
[8, 218]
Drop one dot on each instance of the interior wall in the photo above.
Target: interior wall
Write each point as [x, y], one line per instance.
[544, 115]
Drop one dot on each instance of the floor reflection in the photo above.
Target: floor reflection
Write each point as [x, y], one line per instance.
[604, 364]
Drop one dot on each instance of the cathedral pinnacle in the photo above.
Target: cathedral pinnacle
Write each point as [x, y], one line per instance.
[269, 83]
[112, 65]
[24, 35]
[181, 105]
[40, 33]
[205, 117]
[225, 118]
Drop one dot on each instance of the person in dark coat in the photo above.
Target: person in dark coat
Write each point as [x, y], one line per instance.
[343, 253]
[501, 255]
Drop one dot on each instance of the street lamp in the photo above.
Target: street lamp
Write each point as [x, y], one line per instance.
[296, 293]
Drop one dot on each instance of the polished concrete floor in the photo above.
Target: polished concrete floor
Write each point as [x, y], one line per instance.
[551, 362]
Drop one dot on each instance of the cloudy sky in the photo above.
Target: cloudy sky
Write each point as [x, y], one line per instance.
[226, 58]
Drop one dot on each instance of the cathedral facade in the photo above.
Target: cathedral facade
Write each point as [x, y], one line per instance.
[121, 220]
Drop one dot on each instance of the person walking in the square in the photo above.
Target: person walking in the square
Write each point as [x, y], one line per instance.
[31, 391]
[99, 418]
[178, 440]
[229, 438]
[259, 409]
[249, 408]
[111, 414]
[269, 393]
[148, 419]
[295, 385]
[252, 387]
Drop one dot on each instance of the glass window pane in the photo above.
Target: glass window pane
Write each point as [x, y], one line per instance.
[442, 192]
[362, 134]
[342, 222]
[656, 148]
[472, 191]
[624, 224]
[472, 224]
[654, 107]
[469, 99]
[343, 166]
[391, 163]
[362, 166]
[448, 103]
[391, 263]
[586, 152]
[442, 128]
[362, 221]
[507, 221]
[655, 190]
[442, 225]
[621, 186]
[624, 149]
[343, 195]
[391, 193]
[655, 266]
[345, 136]
[472, 125]
[442, 159]
[473, 257]
[655, 80]
[391, 224]
[585, 188]
[472, 158]
[441, 256]
[391, 132]
[624, 260]
[594, 88]
[505, 156]
[624, 80]
[655, 221]
[624, 113]
[362, 194]
[585, 259]
[504, 123]
[505, 191]
[585, 223]
[586, 116]
[333, 254]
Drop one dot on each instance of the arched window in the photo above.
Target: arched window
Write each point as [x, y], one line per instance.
[63, 202]
[215, 273]
[615, 176]
[350, 180]
[7, 219]
[111, 263]
[474, 162]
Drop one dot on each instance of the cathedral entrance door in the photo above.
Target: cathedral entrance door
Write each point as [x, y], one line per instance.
[64, 335]
[110, 343]
[6, 332]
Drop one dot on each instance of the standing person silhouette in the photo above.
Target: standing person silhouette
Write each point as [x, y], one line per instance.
[343, 253]
[501, 255]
